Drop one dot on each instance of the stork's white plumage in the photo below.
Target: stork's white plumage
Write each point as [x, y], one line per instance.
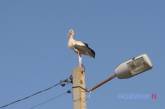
[81, 48]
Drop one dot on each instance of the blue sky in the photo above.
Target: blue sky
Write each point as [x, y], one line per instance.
[34, 53]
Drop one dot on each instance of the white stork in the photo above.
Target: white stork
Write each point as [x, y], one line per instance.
[81, 48]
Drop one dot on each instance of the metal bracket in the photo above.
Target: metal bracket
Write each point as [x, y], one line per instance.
[63, 83]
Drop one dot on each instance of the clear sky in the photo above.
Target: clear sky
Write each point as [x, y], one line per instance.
[34, 53]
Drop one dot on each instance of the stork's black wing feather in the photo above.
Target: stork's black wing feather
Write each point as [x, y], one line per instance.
[92, 52]
[86, 44]
[86, 50]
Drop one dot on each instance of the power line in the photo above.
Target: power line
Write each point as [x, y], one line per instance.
[50, 99]
[41, 91]
[62, 83]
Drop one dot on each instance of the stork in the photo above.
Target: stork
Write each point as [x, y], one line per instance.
[79, 47]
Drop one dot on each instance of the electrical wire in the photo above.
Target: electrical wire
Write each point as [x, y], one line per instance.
[36, 93]
[50, 99]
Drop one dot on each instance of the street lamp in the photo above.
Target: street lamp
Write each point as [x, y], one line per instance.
[133, 67]
[128, 69]
[125, 70]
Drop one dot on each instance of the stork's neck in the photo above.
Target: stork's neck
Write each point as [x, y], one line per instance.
[71, 37]
[71, 42]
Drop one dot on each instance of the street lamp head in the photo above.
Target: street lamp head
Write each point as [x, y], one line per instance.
[133, 67]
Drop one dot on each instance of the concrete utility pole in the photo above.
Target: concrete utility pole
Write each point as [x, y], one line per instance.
[79, 88]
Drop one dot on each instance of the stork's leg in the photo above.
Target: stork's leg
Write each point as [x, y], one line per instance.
[80, 60]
